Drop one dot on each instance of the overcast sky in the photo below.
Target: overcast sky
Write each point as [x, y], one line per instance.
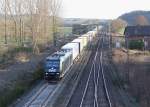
[102, 9]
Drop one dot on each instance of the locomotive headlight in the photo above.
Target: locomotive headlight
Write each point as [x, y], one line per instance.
[46, 73]
[57, 73]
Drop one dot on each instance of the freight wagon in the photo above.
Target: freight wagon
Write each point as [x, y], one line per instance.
[74, 47]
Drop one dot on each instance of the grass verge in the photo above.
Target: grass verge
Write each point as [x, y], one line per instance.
[19, 88]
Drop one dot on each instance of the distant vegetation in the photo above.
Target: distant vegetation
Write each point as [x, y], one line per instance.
[80, 29]
[65, 31]
[68, 22]
[131, 18]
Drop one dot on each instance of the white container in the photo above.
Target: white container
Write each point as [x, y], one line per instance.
[80, 41]
[75, 48]
[85, 39]
[88, 37]
[91, 35]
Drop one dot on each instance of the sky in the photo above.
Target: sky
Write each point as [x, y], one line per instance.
[101, 9]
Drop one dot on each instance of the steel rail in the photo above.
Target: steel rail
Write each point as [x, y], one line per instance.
[36, 95]
[43, 103]
[87, 83]
[104, 78]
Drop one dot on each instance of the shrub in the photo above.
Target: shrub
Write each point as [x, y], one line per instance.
[136, 44]
[19, 88]
[11, 94]
[38, 74]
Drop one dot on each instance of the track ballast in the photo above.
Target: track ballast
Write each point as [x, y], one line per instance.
[92, 89]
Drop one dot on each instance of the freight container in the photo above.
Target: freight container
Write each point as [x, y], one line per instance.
[80, 41]
[90, 34]
[85, 40]
[88, 37]
[75, 47]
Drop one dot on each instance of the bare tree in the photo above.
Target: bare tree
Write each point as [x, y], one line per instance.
[54, 10]
[31, 18]
[4, 12]
[118, 24]
[17, 9]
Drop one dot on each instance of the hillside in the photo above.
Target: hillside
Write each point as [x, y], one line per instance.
[68, 22]
[130, 17]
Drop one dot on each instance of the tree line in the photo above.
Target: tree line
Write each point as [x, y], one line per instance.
[34, 21]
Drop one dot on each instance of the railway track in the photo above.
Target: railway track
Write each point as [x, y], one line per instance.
[42, 97]
[94, 93]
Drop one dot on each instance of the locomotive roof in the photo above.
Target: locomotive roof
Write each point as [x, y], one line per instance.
[59, 55]
[55, 56]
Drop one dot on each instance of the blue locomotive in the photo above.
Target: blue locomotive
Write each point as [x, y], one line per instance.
[57, 64]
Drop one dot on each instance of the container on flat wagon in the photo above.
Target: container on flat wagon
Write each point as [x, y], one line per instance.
[90, 34]
[95, 32]
[67, 61]
[65, 52]
[75, 47]
[88, 37]
[80, 41]
[85, 40]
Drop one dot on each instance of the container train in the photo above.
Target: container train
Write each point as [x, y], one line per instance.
[57, 64]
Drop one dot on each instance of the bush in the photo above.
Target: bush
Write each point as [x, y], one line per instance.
[19, 88]
[136, 44]
[11, 94]
[38, 74]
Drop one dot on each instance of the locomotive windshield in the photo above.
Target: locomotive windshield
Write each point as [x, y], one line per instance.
[52, 64]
